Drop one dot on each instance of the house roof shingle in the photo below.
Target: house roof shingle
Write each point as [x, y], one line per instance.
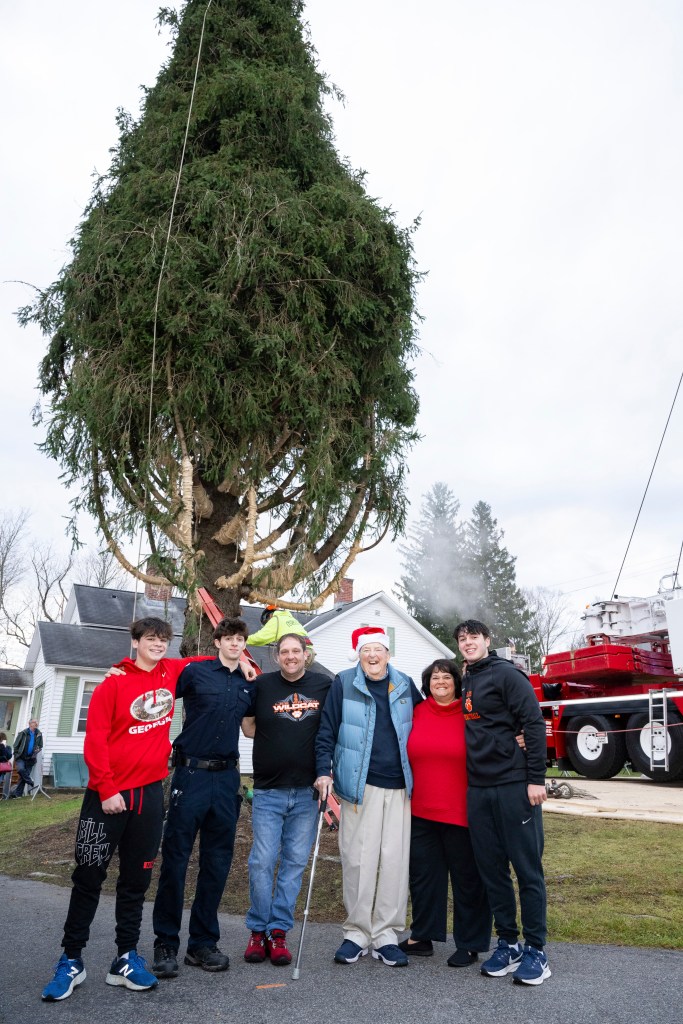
[15, 677]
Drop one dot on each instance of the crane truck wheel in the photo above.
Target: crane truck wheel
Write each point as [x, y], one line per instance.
[638, 747]
[594, 749]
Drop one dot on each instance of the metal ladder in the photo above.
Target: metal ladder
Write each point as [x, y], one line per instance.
[657, 707]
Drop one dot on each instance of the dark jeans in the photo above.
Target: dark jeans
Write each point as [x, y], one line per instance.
[439, 851]
[136, 833]
[24, 766]
[505, 829]
[207, 803]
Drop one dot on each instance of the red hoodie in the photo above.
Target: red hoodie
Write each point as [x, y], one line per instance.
[127, 730]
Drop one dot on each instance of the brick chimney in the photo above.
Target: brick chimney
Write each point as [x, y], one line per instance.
[157, 591]
[345, 593]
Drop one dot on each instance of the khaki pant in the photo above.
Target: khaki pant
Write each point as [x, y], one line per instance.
[374, 844]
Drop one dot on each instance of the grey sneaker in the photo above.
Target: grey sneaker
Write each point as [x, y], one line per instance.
[209, 958]
[165, 962]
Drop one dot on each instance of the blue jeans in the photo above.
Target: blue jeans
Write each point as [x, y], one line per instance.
[283, 823]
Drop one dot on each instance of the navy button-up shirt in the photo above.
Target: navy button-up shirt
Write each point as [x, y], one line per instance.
[215, 700]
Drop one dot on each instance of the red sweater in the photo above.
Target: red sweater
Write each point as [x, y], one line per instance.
[127, 730]
[436, 750]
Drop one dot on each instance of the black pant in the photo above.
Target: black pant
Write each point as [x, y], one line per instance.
[439, 850]
[208, 803]
[136, 832]
[505, 829]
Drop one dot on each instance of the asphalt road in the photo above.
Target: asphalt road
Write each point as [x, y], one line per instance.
[605, 985]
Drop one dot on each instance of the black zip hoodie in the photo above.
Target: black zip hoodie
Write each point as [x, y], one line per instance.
[499, 702]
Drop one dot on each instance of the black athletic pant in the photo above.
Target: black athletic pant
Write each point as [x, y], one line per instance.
[439, 850]
[136, 832]
[505, 829]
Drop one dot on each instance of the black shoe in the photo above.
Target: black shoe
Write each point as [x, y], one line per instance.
[420, 947]
[165, 963]
[462, 958]
[209, 958]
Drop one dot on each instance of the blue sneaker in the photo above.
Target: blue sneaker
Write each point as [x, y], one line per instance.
[132, 972]
[68, 974]
[391, 955]
[349, 952]
[505, 959]
[533, 969]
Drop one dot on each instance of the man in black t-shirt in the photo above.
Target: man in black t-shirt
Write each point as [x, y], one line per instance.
[284, 810]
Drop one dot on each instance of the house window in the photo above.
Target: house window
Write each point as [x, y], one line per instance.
[88, 689]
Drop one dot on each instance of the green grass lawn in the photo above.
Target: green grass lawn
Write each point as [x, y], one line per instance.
[608, 881]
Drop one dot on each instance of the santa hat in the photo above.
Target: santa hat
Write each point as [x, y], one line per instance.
[368, 635]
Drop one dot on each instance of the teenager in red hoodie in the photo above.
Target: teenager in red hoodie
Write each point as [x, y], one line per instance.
[126, 750]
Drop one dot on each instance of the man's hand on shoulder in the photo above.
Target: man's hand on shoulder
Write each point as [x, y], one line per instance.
[248, 670]
[536, 794]
[114, 671]
[114, 804]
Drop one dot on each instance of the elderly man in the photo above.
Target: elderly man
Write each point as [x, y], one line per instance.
[284, 812]
[27, 746]
[363, 734]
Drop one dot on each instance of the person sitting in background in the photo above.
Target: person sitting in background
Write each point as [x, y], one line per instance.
[440, 844]
[5, 766]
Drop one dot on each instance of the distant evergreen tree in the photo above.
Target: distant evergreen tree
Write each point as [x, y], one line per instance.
[432, 562]
[496, 599]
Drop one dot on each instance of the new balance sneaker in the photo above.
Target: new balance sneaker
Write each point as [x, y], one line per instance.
[256, 951]
[68, 974]
[131, 970]
[165, 961]
[277, 948]
[391, 955]
[533, 969]
[209, 958]
[349, 952]
[505, 959]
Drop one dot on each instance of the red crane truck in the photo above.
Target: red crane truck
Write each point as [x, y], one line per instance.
[619, 699]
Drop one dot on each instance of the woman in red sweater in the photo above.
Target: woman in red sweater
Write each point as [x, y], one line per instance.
[440, 841]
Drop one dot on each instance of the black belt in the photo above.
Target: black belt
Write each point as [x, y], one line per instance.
[179, 760]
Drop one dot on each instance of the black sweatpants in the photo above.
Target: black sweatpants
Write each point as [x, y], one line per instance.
[136, 832]
[439, 851]
[505, 829]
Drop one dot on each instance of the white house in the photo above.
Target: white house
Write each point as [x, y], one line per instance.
[68, 659]
[15, 701]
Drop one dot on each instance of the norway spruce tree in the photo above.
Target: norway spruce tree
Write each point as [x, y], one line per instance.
[258, 434]
[433, 565]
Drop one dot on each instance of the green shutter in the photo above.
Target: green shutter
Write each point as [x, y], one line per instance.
[38, 702]
[177, 723]
[67, 711]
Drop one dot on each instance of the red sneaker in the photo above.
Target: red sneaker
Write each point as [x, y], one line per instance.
[277, 948]
[257, 951]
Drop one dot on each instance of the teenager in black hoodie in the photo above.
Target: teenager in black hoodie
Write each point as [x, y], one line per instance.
[506, 787]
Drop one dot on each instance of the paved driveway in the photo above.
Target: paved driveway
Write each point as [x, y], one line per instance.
[605, 985]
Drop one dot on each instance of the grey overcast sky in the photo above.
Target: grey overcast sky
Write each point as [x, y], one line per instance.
[541, 143]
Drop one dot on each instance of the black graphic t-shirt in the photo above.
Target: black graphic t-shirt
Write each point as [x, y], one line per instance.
[287, 720]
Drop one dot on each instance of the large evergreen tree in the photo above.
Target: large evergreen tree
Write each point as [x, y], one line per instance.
[433, 564]
[258, 432]
[495, 597]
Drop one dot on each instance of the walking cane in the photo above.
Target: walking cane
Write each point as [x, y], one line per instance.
[321, 815]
